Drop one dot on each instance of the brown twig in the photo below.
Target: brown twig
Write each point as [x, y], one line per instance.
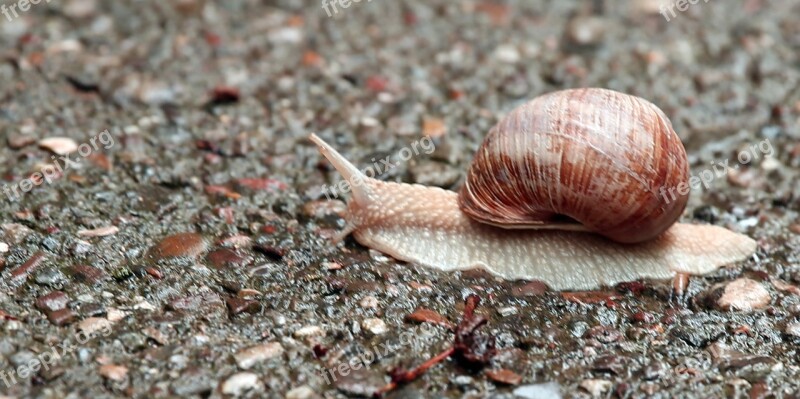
[475, 350]
[403, 376]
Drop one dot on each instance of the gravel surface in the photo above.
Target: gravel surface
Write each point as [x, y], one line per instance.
[182, 248]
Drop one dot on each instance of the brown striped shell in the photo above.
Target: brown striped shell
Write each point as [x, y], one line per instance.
[607, 160]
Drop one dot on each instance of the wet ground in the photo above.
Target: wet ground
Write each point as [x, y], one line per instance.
[182, 248]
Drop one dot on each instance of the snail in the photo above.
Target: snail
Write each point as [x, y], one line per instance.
[566, 189]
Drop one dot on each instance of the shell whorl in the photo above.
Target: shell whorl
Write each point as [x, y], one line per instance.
[604, 159]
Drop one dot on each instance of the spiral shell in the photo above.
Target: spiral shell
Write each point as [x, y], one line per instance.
[606, 160]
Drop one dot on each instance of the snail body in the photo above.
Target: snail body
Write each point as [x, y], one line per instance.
[489, 224]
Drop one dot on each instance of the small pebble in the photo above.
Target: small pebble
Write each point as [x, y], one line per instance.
[144, 305]
[654, 371]
[783, 286]
[433, 127]
[301, 392]
[236, 241]
[91, 325]
[323, 208]
[378, 256]
[17, 141]
[249, 357]
[99, 232]
[239, 305]
[289, 35]
[87, 274]
[507, 53]
[374, 326]
[81, 248]
[760, 390]
[533, 288]
[309, 333]
[114, 372]
[53, 301]
[182, 244]
[248, 293]
[423, 315]
[420, 287]
[207, 303]
[647, 6]
[793, 329]
[744, 295]
[360, 383]
[604, 334]
[596, 388]
[21, 273]
[729, 359]
[50, 276]
[507, 311]
[15, 232]
[331, 266]
[80, 8]
[261, 184]
[463, 380]
[586, 30]
[643, 318]
[194, 382]
[61, 317]
[504, 376]
[224, 258]
[612, 363]
[59, 145]
[156, 335]
[770, 163]
[369, 302]
[239, 383]
[548, 390]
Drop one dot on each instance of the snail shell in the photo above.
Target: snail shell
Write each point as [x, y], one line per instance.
[592, 156]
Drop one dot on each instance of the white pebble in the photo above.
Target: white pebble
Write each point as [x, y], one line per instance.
[745, 295]
[309, 332]
[769, 164]
[92, 325]
[507, 311]
[239, 383]
[549, 390]
[374, 326]
[59, 145]
[507, 53]
[596, 388]
[793, 330]
[114, 372]
[99, 232]
[248, 357]
[114, 315]
[301, 392]
[369, 302]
